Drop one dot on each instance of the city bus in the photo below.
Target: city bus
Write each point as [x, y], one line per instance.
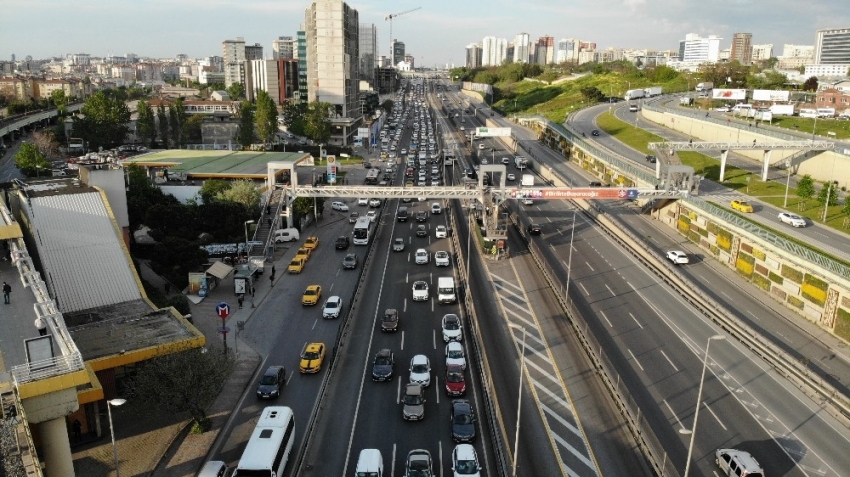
[362, 231]
[270, 444]
[372, 176]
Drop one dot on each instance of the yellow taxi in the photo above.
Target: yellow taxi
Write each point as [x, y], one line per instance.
[312, 243]
[311, 295]
[312, 358]
[303, 253]
[742, 206]
[296, 265]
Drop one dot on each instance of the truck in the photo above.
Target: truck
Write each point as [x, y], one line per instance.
[652, 91]
[782, 109]
[686, 101]
[634, 94]
[705, 86]
[527, 180]
[520, 162]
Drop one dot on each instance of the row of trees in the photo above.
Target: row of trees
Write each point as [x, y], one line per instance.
[172, 126]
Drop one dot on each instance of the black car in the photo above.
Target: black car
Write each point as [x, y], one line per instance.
[342, 242]
[463, 421]
[651, 159]
[382, 368]
[421, 231]
[595, 132]
[534, 229]
[421, 216]
[271, 382]
[390, 320]
[350, 261]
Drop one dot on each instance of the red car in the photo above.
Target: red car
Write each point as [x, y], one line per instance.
[455, 381]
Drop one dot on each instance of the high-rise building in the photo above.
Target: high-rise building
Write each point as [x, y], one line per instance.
[332, 29]
[544, 50]
[254, 52]
[762, 52]
[368, 38]
[742, 48]
[494, 51]
[795, 56]
[474, 54]
[521, 48]
[278, 78]
[832, 46]
[566, 50]
[234, 61]
[696, 49]
[283, 48]
[397, 51]
[301, 42]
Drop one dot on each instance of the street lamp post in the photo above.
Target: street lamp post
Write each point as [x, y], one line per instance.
[519, 396]
[246, 234]
[570, 256]
[693, 431]
[109, 404]
[787, 181]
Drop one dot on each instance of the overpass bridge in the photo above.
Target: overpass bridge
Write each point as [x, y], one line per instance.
[32, 118]
[724, 147]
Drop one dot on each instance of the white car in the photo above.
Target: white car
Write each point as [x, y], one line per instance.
[374, 202]
[455, 354]
[362, 201]
[511, 177]
[420, 370]
[441, 231]
[442, 259]
[420, 291]
[398, 245]
[465, 461]
[793, 220]
[436, 209]
[678, 257]
[452, 330]
[527, 202]
[372, 215]
[332, 307]
[340, 206]
[421, 256]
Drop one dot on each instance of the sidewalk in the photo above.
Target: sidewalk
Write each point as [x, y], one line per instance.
[148, 445]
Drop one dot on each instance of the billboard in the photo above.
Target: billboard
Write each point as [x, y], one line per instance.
[362, 132]
[737, 94]
[493, 132]
[770, 95]
[585, 193]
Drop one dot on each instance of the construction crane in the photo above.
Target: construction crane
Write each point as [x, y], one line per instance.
[393, 15]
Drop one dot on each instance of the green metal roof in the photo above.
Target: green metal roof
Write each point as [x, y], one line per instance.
[221, 164]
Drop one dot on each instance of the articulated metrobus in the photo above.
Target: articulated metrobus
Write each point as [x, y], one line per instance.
[268, 449]
[362, 231]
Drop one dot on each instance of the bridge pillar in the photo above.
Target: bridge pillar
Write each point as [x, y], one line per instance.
[57, 448]
[766, 164]
[723, 155]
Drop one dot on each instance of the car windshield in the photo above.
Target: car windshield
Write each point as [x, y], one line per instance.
[310, 355]
[310, 292]
[419, 368]
[420, 286]
[390, 318]
[413, 399]
[269, 379]
[331, 305]
[463, 419]
[455, 353]
[466, 467]
[382, 360]
[452, 325]
[454, 377]
[295, 262]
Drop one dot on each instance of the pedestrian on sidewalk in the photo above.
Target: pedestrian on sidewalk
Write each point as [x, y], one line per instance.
[6, 290]
[41, 325]
[78, 430]
[240, 299]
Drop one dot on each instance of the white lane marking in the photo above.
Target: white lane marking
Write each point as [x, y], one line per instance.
[588, 266]
[402, 340]
[440, 447]
[681, 426]
[583, 288]
[392, 464]
[636, 320]
[635, 359]
[668, 360]
[554, 397]
[715, 416]
[434, 338]
[566, 444]
[610, 290]
[606, 318]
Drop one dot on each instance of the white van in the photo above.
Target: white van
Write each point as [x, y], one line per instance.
[286, 235]
[213, 468]
[737, 463]
[741, 108]
[369, 464]
[446, 290]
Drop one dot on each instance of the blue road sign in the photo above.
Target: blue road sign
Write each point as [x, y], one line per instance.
[224, 330]
[633, 194]
[222, 310]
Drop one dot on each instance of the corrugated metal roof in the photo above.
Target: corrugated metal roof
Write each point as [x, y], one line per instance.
[82, 252]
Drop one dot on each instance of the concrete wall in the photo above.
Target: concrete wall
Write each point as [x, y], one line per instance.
[822, 166]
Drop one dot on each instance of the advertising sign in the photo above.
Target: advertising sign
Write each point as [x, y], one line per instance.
[362, 132]
[770, 95]
[332, 166]
[586, 193]
[493, 132]
[736, 94]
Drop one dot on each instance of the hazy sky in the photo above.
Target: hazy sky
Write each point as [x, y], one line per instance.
[436, 34]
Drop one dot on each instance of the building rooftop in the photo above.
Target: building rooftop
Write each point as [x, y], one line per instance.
[216, 164]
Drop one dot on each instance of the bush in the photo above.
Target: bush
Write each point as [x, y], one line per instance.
[180, 303]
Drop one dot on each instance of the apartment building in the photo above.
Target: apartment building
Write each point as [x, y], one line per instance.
[742, 49]
[522, 45]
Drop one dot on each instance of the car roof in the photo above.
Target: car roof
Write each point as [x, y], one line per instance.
[454, 344]
[313, 347]
[465, 452]
[384, 352]
[419, 358]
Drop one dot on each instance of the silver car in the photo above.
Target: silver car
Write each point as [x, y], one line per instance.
[398, 245]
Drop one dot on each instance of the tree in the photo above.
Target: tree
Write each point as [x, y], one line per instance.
[805, 187]
[58, 98]
[162, 122]
[811, 84]
[180, 113]
[46, 143]
[829, 189]
[236, 91]
[245, 132]
[31, 161]
[592, 94]
[145, 123]
[243, 192]
[317, 125]
[183, 381]
[193, 129]
[103, 122]
[211, 189]
[265, 117]
[846, 208]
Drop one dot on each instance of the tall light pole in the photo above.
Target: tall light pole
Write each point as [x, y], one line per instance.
[519, 395]
[109, 404]
[693, 431]
[246, 232]
[570, 257]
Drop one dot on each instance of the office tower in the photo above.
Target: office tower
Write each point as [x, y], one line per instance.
[332, 29]
[234, 61]
[397, 48]
[742, 48]
[368, 38]
[832, 46]
[473, 55]
[697, 49]
[283, 48]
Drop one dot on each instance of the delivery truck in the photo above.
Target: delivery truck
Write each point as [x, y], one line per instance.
[520, 162]
[705, 86]
[527, 180]
[652, 91]
[634, 94]
[782, 109]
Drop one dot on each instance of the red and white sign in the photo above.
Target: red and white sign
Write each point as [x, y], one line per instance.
[587, 193]
[732, 94]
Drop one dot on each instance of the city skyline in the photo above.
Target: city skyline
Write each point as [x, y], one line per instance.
[436, 34]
